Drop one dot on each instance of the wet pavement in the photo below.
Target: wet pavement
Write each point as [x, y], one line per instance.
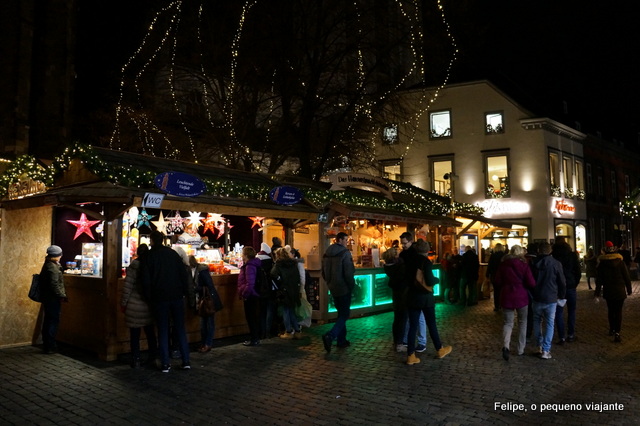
[589, 381]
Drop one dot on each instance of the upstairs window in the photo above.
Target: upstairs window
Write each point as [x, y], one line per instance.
[554, 174]
[392, 169]
[497, 176]
[440, 124]
[441, 175]
[493, 123]
[390, 134]
[579, 177]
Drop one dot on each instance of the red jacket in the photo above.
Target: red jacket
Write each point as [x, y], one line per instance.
[514, 277]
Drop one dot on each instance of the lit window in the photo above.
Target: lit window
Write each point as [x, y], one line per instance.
[554, 174]
[392, 169]
[579, 177]
[493, 122]
[440, 124]
[497, 176]
[390, 134]
[441, 176]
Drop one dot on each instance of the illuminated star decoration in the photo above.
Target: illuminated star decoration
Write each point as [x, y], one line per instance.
[83, 225]
[175, 224]
[257, 221]
[220, 227]
[193, 219]
[143, 218]
[211, 223]
[161, 224]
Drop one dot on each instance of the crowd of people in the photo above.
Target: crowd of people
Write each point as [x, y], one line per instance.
[536, 286]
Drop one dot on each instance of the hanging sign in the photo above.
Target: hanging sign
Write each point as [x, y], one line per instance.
[152, 200]
[286, 195]
[340, 181]
[180, 184]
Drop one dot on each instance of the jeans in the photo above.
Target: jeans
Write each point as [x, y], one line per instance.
[430, 319]
[252, 315]
[507, 328]
[52, 311]
[207, 328]
[267, 312]
[571, 309]
[290, 319]
[152, 343]
[543, 312]
[421, 333]
[339, 329]
[173, 309]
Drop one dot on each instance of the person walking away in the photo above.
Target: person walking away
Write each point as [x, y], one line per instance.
[52, 294]
[394, 268]
[203, 284]
[165, 284]
[492, 269]
[338, 272]
[550, 286]
[286, 275]
[267, 301]
[591, 263]
[137, 313]
[421, 299]
[514, 279]
[247, 292]
[469, 269]
[562, 252]
[411, 259]
[613, 282]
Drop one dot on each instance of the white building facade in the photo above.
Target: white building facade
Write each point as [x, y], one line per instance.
[480, 145]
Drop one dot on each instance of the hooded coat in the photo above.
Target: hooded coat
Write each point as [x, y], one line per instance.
[612, 277]
[550, 281]
[514, 278]
[570, 263]
[338, 270]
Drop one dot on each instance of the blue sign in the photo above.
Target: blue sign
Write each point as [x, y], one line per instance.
[180, 184]
[286, 195]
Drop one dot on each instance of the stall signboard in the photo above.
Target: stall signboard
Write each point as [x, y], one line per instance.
[286, 195]
[180, 184]
[152, 200]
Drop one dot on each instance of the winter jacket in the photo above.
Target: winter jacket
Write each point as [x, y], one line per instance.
[612, 277]
[470, 266]
[51, 282]
[550, 282]
[591, 263]
[286, 275]
[494, 263]
[164, 276]
[137, 313]
[202, 282]
[514, 278]
[570, 263]
[395, 272]
[247, 279]
[338, 270]
[417, 298]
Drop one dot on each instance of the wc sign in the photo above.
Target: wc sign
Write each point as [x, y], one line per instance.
[152, 200]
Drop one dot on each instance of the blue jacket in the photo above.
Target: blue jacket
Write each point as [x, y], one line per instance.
[550, 281]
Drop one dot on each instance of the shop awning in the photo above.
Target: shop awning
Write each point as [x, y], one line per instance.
[372, 213]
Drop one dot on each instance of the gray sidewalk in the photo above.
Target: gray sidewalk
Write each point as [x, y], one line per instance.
[295, 382]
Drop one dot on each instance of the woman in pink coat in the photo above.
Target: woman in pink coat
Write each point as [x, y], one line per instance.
[515, 279]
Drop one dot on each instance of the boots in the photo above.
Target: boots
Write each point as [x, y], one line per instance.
[413, 359]
[444, 351]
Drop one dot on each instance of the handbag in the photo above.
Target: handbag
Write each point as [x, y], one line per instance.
[34, 290]
[206, 306]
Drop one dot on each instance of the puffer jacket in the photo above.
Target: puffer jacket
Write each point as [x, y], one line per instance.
[550, 281]
[247, 279]
[137, 313]
[514, 277]
[286, 275]
[612, 277]
[51, 282]
[338, 270]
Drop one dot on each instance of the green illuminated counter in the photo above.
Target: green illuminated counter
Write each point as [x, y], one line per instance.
[372, 293]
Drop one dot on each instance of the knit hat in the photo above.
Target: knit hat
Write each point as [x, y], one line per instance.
[608, 244]
[54, 251]
[265, 248]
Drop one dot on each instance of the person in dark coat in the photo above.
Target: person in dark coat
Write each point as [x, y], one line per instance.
[590, 262]
[137, 313]
[469, 269]
[612, 279]
[165, 282]
[394, 268]
[52, 294]
[562, 252]
[492, 269]
[286, 275]
[203, 284]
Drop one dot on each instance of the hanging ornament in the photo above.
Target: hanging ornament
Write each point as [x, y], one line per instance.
[83, 225]
[211, 222]
[193, 219]
[257, 221]
[161, 224]
[133, 215]
[143, 218]
[220, 227]
[176, 224]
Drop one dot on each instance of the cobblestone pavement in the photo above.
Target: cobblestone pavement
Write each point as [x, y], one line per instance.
[296, 382]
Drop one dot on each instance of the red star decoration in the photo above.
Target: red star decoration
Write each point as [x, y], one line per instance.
[83, 225]
[257, 221]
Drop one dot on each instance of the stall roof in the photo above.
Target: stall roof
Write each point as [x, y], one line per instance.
[360, 212]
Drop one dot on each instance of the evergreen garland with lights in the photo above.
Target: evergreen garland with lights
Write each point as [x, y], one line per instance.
[630, 207]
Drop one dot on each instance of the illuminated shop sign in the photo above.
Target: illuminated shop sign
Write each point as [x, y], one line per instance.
[493, 207]
[561, 207]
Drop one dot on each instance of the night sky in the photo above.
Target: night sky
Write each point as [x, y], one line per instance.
[544, 54]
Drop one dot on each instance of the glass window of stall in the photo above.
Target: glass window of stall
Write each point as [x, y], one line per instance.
[80, 235]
